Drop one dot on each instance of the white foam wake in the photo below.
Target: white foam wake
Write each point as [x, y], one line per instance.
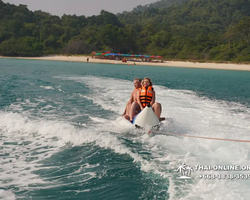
[7, 195]
[192, 115]
[26, 142]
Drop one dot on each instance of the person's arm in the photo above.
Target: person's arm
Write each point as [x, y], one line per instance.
[130, 101]
[153, 98]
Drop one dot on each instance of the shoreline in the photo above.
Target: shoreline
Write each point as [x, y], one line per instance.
[187, 64]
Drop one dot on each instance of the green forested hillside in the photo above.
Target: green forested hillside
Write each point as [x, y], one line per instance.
[159, 4]
[183, 29]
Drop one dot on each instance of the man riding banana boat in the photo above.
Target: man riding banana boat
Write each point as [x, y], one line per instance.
[143, 97]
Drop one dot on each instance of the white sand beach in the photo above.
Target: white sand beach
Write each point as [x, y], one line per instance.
[223, 66]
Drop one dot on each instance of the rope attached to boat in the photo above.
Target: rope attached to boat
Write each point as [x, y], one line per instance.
[192, 136]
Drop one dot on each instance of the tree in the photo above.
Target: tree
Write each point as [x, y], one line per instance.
[161, 39]
[77, 47]
[109, 18]
[243, 29]
[108, 36]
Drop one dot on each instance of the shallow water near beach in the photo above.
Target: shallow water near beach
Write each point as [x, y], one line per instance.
[60, 139]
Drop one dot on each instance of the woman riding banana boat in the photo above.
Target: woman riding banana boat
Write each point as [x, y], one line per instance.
[142, 96]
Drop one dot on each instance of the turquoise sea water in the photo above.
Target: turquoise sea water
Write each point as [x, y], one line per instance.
[60, 139]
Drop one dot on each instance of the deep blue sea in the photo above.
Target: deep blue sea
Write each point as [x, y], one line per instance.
[60, 138]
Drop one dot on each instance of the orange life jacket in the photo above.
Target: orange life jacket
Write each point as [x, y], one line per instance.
[146, 96]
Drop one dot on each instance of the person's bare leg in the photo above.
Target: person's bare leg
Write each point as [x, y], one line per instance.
[157, 109]
[135, 109]
[128, 111]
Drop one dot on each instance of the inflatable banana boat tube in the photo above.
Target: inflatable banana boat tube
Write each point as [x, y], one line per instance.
[147, 119]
